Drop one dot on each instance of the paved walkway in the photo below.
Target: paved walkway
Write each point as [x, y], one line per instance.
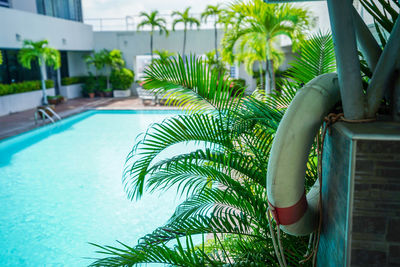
[20, 122]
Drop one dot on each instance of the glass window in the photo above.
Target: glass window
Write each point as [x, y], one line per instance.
[66, 9]
[11, 71]
[4, 3]
[64, 64]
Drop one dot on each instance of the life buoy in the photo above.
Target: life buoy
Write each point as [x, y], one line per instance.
[293, 210]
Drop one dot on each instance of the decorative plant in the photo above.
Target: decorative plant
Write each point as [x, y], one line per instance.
[215, 12]
[155, 22]
[121, 79]
[164, 54]
[45, 56]
[105, 59]
[223, 179]
[187, 20]
[264, 23]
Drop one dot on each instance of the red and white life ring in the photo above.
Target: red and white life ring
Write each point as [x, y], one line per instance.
[293, 210]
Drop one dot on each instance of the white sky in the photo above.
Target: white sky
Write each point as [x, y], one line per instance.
[122, 8]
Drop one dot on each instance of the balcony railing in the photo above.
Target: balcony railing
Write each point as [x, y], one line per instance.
[129, 23]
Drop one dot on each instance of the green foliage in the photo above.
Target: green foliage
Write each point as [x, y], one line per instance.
[317, 56]
[253, 30]
[73, 80]
[105, 58]
[215, 63]
[1, 58]
[214, 11]
[39, 51]
[153, 20]
[94, 84]
[223, 178]
[164, 54]
[185, 18]
[22, 87]
[121, 79]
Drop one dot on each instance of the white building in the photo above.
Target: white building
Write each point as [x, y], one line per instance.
[58, 21]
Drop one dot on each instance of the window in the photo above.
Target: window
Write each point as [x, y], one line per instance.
[4, 3]
[65, 9]
[11, 71]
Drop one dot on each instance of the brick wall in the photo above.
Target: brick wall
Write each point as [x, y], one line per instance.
[361, 196]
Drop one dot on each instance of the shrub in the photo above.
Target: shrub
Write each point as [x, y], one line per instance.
[121, 79]
[238, 86]
[73, 80]
[22, 87]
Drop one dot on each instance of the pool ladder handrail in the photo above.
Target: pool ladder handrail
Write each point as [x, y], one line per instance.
[45, 115]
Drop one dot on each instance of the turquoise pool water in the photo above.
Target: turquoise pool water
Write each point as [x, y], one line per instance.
[60, 188]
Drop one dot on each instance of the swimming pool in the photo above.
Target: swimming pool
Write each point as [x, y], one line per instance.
[60, 188]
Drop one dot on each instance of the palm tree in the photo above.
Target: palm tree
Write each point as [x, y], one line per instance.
[185, 18]
[224, 179]
[164, 54]
[104, 58]
[215, 12]
[255, 19]
[155, 22]
[46, 56]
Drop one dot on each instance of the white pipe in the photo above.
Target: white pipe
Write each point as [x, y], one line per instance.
[291, 149]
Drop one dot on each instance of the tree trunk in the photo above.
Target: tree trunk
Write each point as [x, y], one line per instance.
[184, 44]
[269, 77]
[43, 77]
[260, 69]
[216, 40]
[151, 45]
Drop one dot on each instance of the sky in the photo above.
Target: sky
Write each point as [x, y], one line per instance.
[122, 8]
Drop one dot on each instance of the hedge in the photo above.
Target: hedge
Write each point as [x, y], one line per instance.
[22, 87]
[73, 80]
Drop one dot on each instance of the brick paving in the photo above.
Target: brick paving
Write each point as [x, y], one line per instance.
[23, 121]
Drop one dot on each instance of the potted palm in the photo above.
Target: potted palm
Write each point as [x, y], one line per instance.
[46, 56]
[121, 81]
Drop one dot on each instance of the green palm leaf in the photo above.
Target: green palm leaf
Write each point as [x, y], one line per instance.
[191, 84]
[317, 57]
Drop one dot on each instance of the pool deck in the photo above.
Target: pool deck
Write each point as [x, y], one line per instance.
[19, 122]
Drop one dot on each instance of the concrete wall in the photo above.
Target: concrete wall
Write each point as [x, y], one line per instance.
[23, 101]
[24, 5]
[76, 64]
[135, 43]
[61, 34]
[71, 91]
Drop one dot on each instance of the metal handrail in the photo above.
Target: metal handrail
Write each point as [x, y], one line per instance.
[53, 113]
[44, 114]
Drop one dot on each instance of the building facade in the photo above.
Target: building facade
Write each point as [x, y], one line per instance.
[58, 21]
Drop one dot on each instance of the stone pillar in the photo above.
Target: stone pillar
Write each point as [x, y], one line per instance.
[361, 196]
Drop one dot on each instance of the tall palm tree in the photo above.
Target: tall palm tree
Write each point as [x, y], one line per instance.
[46, 56]
[255, 19]
[215, 12]
[185, 18]
[155, 22]
[224, 179]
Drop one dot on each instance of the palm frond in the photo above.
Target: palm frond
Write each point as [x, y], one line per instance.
[190, 84]
[317, 56]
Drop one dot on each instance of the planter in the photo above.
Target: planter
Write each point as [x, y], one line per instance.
[361, 195]
[22, 101]
[91, 95]
[122, 93]
[71, 91]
